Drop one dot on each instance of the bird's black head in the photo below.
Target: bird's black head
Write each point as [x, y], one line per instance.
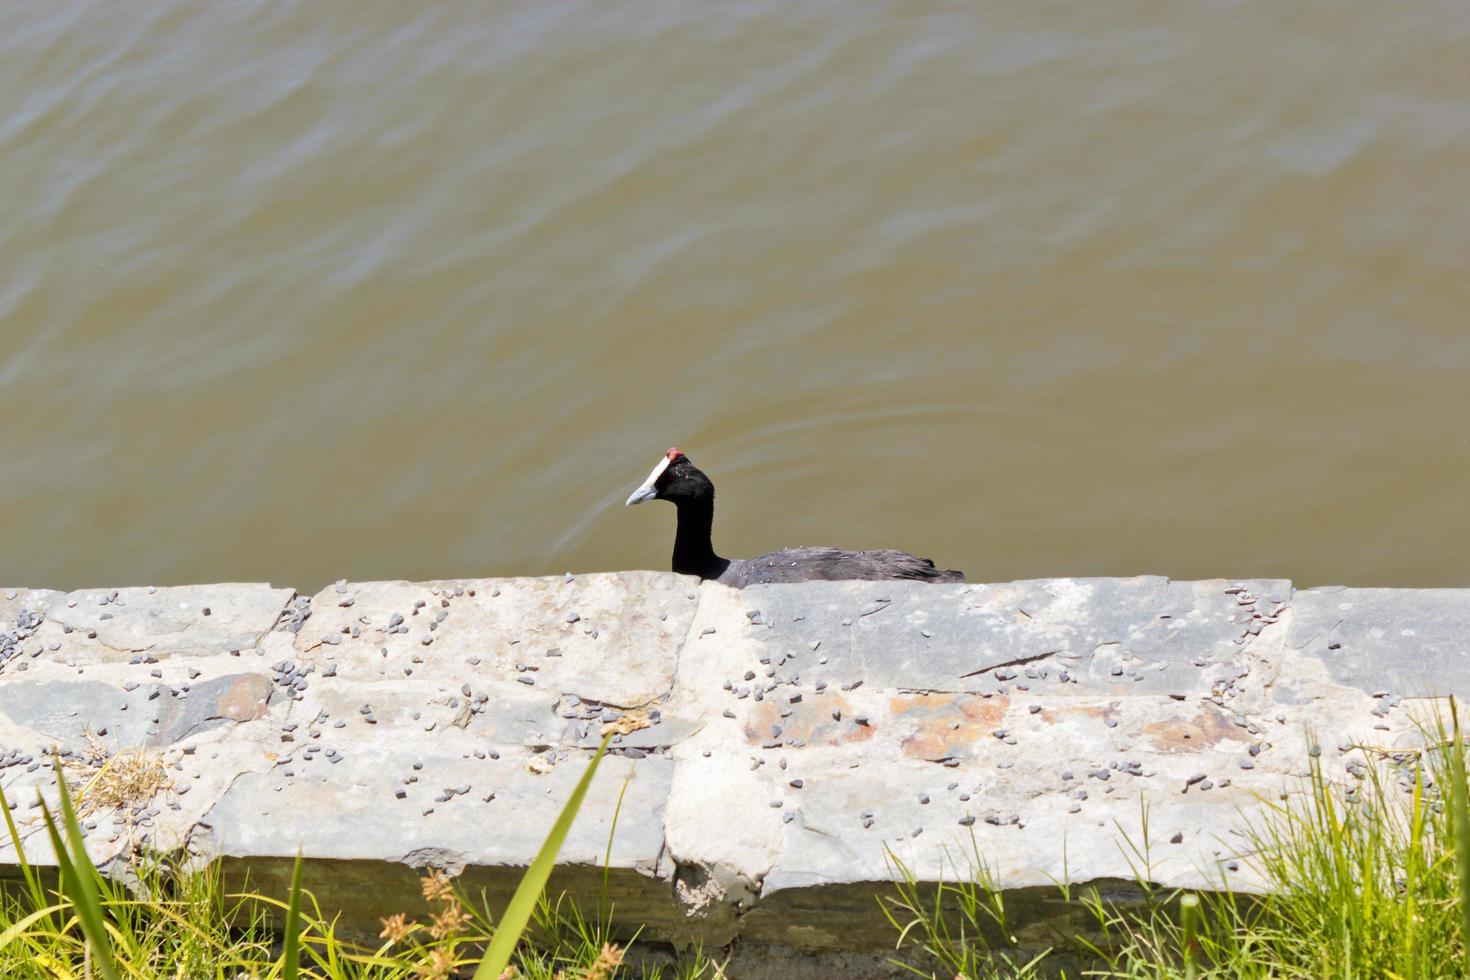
[674, 479]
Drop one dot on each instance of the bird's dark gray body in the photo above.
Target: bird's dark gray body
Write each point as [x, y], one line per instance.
[680, 482]
[832, 564]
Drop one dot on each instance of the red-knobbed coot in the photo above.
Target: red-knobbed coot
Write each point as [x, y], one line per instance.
[680, 482]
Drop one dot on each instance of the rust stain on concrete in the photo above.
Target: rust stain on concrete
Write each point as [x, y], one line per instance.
[1207, 728]
[943, 726]
[822, 719]
[245, 699]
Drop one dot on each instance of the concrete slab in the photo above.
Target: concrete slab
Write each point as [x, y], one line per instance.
[782, 746]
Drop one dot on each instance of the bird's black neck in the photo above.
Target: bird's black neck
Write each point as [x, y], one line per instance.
[694, 551]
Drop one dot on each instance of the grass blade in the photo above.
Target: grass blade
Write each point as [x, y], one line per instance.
[86, 879]
[604, 914]
[291, 945]
[20, 926]
[523, 903]
[32, 879]
[1459, 804]
[83, 892]
[1188, 916]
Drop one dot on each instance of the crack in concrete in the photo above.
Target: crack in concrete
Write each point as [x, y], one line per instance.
[205, 814]
[276, 622]
[1016, 662]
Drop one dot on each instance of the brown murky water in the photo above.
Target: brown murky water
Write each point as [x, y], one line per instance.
[301, 291]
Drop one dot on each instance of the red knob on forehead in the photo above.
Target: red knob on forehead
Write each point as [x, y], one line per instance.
[674, 453]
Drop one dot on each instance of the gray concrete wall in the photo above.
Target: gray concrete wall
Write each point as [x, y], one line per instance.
[783, 740]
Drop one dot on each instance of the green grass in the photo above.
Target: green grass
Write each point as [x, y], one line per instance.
[172, 924]
[1369, 882]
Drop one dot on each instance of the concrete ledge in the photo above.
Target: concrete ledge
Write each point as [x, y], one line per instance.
[784, 738]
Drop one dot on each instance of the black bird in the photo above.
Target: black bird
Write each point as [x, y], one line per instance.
[683, 484]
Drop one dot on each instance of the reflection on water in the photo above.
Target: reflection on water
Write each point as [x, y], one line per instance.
[302, 292]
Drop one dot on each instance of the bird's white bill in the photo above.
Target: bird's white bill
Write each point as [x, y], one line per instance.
[647, 491]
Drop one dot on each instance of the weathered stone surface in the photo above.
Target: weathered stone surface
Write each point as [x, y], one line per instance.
[273, 813]
[903, 635]
[1410, 642]
[785, 743]
[194, 619]
[149, 715]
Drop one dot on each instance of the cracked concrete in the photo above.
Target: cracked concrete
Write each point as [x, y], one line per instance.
[794, 739]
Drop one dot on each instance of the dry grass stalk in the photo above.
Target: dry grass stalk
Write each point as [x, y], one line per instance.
[602, 968]
[438, 965]
[436, 886]
[116, 782]
[450, 922]
[396, 928]
[606, 964]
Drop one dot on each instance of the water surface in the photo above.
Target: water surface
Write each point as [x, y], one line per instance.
[293, 292]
